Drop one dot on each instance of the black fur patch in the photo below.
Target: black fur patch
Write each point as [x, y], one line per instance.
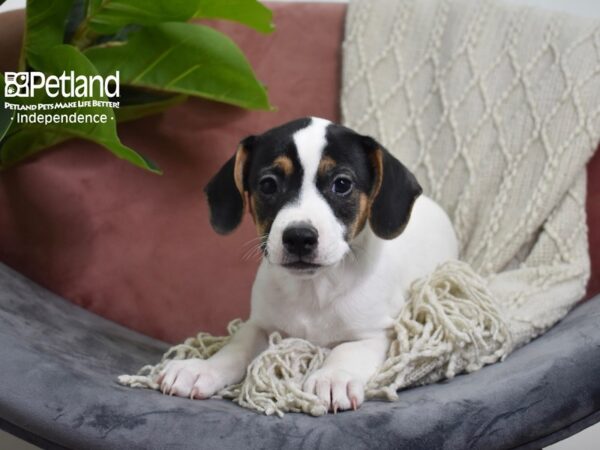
[266, 149]
[399, 189]
[344, 146]
[224, 199]
[226, 202]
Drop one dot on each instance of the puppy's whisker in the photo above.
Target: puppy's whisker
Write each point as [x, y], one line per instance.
[254, 240]
[252, 252]
[257, 249]
[249, 252]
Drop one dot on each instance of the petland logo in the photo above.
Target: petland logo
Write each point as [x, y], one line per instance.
[27, 84]
[65, 99]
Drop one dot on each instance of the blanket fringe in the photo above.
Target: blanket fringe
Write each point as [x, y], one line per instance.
[450, 324]
[273, 382]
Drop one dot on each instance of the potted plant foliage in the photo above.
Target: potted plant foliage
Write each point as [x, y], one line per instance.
[160, 57]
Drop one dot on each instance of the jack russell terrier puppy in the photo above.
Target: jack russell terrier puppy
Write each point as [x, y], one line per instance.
[344, 231]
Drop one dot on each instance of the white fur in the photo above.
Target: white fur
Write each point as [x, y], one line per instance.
[348, 305]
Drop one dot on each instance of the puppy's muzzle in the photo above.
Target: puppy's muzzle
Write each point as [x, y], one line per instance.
[300, 241]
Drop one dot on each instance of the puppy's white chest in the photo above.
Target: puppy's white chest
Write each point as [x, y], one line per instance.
[323, 313]
[325, 328]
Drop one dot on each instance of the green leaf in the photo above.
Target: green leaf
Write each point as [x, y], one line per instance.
[108, 16]
[27, 142]
[45, 24]
[248, 12]
[187, 59]
[29, 138]
[6, 115]
[137, 110]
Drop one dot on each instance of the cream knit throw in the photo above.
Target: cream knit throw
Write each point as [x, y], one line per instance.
[496, 109]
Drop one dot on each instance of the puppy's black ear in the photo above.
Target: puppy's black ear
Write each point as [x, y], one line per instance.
[393, 194]
[226, 191]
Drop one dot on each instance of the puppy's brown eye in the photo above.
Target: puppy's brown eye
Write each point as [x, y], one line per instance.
[342, 185]
[268, 185]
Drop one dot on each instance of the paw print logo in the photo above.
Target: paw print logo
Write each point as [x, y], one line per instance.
[16, 84]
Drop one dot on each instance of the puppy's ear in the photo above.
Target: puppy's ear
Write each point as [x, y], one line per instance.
[393, 193]
[226, 191]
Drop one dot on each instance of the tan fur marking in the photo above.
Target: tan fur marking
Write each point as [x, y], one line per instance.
[377, 161]
[249, 200]
[261, 227]
[364, 206]
[367, 201]
[238, 170]
[285, 164]
[327, 163]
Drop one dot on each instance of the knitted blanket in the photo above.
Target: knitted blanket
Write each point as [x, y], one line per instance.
[496, 110]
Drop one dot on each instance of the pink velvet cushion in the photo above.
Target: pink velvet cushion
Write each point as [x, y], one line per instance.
[593, 218]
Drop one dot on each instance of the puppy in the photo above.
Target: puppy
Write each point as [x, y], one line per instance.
[344, 231]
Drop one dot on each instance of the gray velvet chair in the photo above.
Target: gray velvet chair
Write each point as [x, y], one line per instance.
[58, 389]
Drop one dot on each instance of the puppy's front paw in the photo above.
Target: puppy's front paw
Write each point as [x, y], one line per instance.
[337, 389]
[194, 378]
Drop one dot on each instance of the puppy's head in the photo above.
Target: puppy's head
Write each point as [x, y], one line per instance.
[311, 187]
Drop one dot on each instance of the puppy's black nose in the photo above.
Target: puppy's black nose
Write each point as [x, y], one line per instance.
[300, 239]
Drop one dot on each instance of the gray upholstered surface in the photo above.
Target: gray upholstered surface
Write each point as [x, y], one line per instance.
[58, 365]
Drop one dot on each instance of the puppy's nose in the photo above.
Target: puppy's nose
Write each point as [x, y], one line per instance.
[300, 239]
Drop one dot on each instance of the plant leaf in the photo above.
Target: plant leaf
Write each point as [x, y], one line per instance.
[108, 16]
[27, 142]
[28, 139]
[133, 111]
[249, 12]
[6, 115]
[45, 24]
[184, 58]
